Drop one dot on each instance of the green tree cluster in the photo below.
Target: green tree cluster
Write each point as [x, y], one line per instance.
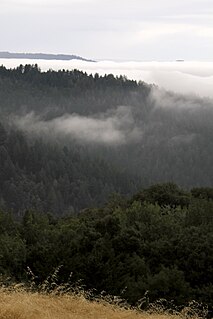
[131, 245]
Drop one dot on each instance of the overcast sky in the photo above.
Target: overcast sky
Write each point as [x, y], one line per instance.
[145, 30]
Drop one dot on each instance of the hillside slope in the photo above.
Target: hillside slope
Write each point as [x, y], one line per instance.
[68, 139]
[21, 305]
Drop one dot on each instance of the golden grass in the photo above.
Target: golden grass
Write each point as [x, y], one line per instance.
[26, 305]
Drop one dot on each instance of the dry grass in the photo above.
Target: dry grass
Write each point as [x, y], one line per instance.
[26, 305]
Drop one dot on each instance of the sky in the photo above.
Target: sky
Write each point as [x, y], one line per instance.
[118, 30]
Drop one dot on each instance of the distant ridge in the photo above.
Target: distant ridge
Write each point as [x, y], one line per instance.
[43, 56]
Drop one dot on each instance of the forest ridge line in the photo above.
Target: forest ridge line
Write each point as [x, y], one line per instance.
[42, 56]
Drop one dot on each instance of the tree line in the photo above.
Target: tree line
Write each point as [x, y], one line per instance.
[159, 240]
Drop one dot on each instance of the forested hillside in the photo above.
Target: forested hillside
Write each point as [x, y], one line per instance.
[41, 56]
[55, 178]
[68, 140]
[160, 240]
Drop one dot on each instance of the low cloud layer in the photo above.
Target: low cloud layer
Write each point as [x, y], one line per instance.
[114, 127]
[183, 77]
[179, 102]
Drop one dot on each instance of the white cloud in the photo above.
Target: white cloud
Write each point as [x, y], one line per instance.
[182, 77]
[204, 31]
[112, 128]
[151, 32]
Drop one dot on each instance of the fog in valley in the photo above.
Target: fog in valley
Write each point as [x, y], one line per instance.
[116, 126]
[83, 136]
[187, 77]
[106, 157]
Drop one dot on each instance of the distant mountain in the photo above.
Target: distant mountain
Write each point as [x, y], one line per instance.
[43, 56]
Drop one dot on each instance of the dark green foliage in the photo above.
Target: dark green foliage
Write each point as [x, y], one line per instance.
[202, 192]
[160, 240]
[164, 194]
[60, 174]
[54, 177]
[132, 246]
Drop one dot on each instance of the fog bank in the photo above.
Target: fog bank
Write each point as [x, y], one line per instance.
[183, 77]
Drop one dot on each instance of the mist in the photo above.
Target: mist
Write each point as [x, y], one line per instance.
[116, 126]
[69, 139]
[184, 77]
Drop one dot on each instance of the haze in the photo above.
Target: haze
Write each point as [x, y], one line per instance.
[114, 127]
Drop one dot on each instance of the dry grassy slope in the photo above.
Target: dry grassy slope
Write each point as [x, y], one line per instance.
[23, 305]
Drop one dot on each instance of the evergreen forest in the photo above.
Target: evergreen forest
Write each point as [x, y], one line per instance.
[68, 140]
[109, 181]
